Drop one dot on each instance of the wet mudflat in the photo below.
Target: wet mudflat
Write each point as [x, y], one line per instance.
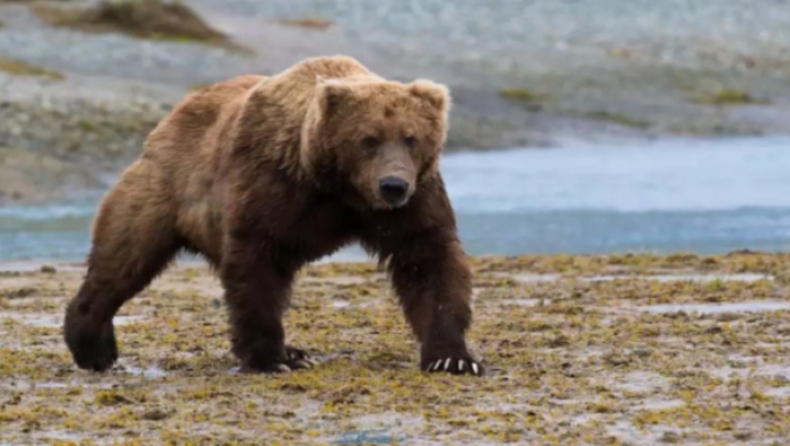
[618, 349]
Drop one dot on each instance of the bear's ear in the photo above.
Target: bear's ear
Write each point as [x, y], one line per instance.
[434, 93]
[331, 93]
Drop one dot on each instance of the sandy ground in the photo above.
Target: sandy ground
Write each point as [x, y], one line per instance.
[626, 349]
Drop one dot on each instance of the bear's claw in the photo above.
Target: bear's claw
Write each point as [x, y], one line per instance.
[295, 359]
[456, 366]
[299, 356]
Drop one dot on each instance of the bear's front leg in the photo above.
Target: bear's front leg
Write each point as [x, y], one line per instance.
[257, 291]
[434, 283]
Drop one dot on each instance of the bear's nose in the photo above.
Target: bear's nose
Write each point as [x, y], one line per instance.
[393, 190]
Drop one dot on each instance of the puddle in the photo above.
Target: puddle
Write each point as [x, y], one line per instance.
[778, 392]
[534, 278]
[368, 436]
[659, 405]
[380, 428]
[774, 369]
[348, 279]
[355, 304]
[41, 385]
[524, 302]
[626, 432]
[150, 372]
[56, 321]
[58, 436]
[35, 320]
[584, 418]
[641, 382]
[52, 385]
[26, 386]
[731, 307]
[704, 278]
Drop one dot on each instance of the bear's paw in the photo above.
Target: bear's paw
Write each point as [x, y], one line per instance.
[295, 359]
[455, 366]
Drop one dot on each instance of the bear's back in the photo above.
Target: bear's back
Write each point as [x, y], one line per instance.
[191, 122]
[327, 67]
[291, 90]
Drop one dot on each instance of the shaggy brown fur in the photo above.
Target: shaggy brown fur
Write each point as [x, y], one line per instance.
[262, 175]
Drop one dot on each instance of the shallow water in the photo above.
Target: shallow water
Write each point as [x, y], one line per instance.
[706, 196]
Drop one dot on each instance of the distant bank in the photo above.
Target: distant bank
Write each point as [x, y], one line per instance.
[76, 106]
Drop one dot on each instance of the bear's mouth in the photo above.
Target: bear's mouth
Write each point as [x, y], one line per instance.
[398, 204]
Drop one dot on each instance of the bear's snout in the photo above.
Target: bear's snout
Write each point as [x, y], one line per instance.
[393, 190]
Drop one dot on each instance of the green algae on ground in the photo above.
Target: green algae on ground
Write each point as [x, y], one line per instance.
[572, 359]
[617, 118]
[22, 68]
[527, 98]
[729, 97]
[306, 22]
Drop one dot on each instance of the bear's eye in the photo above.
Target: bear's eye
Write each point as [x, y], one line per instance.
[371, 142]
[410, 141]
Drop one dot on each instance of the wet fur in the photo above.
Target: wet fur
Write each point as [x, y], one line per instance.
[247, 173]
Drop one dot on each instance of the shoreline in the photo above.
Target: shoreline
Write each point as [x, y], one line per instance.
[733, 261]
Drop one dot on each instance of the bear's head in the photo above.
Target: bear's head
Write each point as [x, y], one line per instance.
[374, 140]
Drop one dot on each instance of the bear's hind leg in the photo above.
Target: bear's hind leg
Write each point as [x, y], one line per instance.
[134, 238]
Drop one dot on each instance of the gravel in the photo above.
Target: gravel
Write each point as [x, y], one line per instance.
[515, 31]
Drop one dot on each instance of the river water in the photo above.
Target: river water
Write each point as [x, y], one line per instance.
[706, 196]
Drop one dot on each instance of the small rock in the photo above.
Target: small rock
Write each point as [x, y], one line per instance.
[728, 317]
[670, 437]
[781, 379]
[157, 414]
[742, 435]
[738, 364]
[617, 359]
[48, 269]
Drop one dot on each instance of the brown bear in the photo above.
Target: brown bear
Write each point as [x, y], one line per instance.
[261, 175]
